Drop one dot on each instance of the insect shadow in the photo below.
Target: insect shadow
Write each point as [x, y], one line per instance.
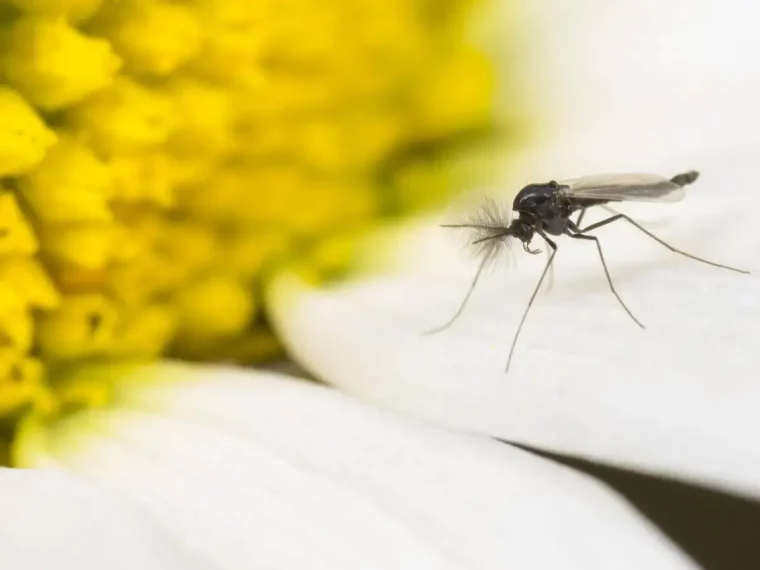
[545, 210]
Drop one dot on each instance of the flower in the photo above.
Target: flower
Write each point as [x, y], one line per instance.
[170, 465]
[161, 157]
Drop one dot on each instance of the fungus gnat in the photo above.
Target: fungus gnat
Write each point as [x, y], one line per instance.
[545, 209]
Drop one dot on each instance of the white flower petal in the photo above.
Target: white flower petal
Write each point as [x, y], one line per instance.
[57, 521]
[250, 470]
[637, 86]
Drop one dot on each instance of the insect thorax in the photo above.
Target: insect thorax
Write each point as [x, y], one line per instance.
[535, 198]
[543, 207]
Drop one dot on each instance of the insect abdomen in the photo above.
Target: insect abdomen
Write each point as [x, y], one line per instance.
[685, 178]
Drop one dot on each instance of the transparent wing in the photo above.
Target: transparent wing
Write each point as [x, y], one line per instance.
[624, 188]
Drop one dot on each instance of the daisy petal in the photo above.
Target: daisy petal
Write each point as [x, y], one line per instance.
[56, 520]
[259, 470]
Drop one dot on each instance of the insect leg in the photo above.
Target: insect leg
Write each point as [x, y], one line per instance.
[606, 272]
[464, 301]
[550, 284]
[580, 217]
[553, 247]
[550, 276]
[658, 240]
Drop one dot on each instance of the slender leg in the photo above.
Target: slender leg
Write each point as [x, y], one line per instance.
[658, 240]
[580, 217]
[606, 273]
[553, 246]
[464, 301]
[550, 275]
[550, 284]
[483, 263]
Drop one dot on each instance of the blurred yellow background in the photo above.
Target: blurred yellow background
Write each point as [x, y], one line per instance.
[159, 156]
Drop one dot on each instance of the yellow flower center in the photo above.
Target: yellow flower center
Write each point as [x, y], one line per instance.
[160, 156]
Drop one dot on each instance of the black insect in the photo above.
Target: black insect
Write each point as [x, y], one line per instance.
[545, 209]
